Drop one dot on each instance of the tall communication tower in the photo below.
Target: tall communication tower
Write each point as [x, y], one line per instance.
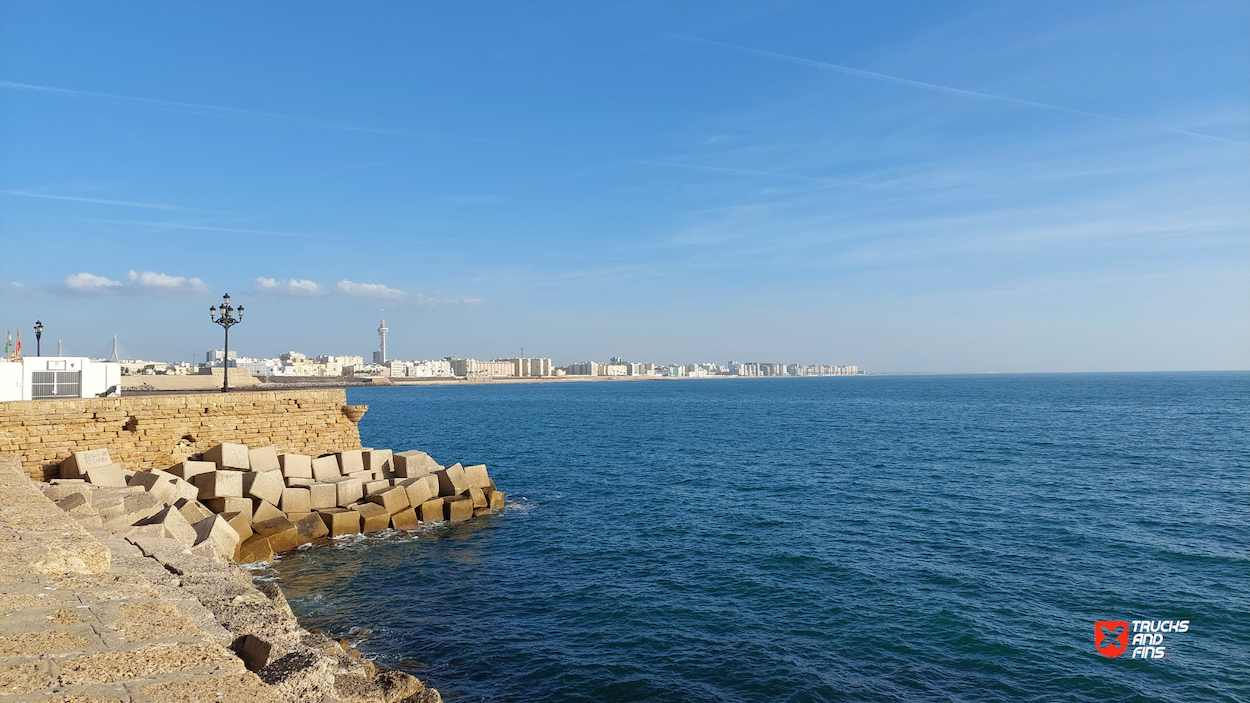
[381, 353]
[113, 356]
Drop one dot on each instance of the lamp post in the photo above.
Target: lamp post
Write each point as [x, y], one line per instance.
[225, 317]
[38, 336]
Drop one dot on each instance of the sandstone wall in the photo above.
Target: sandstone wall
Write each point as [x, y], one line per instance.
[145, 432]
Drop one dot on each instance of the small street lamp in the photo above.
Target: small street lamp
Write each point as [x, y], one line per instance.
[226, 319]
[38, 336]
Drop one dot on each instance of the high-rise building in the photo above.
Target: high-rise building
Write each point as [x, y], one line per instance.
[379, 356]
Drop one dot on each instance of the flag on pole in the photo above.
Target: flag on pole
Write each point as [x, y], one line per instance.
[17, 353]
[8, 341]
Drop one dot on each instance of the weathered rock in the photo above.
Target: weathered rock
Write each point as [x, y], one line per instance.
[187, 470]
[295, 465]
[263, 459]
[392, 499]
[458, 508]
[77, 464]
[280, 532]
[229, 505]
[229, 456]
[452, 481]
[350, 490]
[405, 519]
[373, 517]
[351, 461]
[263, 485]
[253, 651]
[106, 475]
[421, 489]
[218, 535]
[478, 497]
[322, 496]
[477, 476]
[254, 549]
[325, 468]
[295, 500]
[220, 484]
[340, 521]
[264, 510]
[379, 461]
[431, 510]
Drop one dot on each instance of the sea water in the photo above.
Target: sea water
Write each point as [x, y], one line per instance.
[812, 539]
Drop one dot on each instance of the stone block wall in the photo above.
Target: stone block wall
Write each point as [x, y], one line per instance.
[146, 432]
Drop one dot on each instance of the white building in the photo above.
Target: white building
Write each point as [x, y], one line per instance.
[51, 377]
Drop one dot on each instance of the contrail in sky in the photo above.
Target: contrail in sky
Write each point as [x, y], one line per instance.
[213, 110]
[97, 201]
[928, 86]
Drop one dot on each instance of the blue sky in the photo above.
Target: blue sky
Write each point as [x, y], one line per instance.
[958, 186]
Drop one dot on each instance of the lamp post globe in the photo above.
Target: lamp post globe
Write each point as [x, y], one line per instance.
[38, 337]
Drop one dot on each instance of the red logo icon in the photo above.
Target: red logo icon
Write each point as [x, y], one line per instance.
[1111, 637]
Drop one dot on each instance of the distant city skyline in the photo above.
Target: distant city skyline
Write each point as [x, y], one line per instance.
[906, 186]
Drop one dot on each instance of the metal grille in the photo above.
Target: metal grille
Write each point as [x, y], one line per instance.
[55, 384]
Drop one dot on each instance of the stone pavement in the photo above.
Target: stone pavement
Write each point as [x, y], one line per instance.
[76, 628]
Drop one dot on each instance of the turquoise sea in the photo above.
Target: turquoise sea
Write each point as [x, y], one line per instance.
[878, 538]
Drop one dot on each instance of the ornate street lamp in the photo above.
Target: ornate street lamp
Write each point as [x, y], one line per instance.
[225, 317]
[38, 336]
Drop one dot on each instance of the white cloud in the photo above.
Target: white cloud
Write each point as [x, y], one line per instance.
[151, 279]
[439, 300]
[90, 281]
[291, 286]
[368, 290]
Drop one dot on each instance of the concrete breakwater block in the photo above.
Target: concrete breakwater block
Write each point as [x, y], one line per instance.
[57, 492]
[77, 464]
[186, 470]
[228, 505]
[264, 485]
[420, 489]
[263, 459]
[263, 510]
[379, 462]
[340, 522]
[350, 490]
[481, 512]
[351, 461]
[413, 463]
[173, 526]
[371, 487]
[193, 510]
[325, 468]
[477, 476]
[392, 499]
[295, 465]
[158, 483]
[106, 475]
[300, 482]
[229, 456]
[452, 481]
[132, 509]
[373, 517]
[254, 549]
[322, 496]
[495, 499]
[280, 532]
[295, 500]
[478, 498]
[431, 510]
[405, 519]
[458, 508]
[310, 527]
[218, 535]
[242, 523]
[220, 484]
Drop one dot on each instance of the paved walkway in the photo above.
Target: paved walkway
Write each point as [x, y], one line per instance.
[75, 628]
